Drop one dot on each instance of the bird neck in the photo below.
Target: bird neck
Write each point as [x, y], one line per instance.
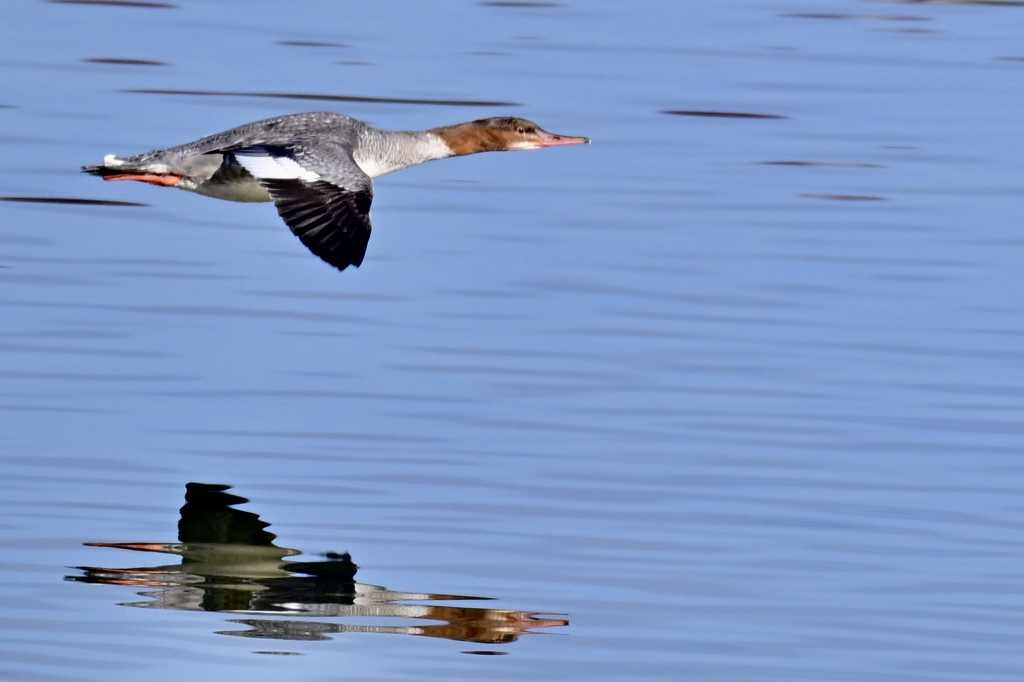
[386, 151]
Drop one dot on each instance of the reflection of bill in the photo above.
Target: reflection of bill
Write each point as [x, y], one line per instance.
[229, 563]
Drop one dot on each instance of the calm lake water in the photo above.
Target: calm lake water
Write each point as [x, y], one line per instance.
[734, 393]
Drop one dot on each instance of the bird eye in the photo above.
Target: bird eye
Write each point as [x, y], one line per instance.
[521, 130]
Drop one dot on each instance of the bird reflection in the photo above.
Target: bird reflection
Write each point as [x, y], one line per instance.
[229, 563]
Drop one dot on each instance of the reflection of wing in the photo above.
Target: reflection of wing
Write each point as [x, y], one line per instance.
[208, 517]
[320, 193]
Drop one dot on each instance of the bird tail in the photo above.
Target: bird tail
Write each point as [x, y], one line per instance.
[112, 165]
[115, 168]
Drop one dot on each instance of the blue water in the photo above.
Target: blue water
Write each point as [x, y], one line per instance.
[739, 398]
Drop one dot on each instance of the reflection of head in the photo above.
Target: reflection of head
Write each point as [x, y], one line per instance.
[209, 516]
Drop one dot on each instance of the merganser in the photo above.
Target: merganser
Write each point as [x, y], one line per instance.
[317, 168]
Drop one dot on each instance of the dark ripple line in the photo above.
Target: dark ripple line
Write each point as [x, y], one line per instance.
[309, 43]
[721, 114]
[71, 201]
[129, 62]
[830, 164]
[82, 376]
[328, 98]
[192, 310]
[116, 3]
[844, 197]
[531, 5]
[877, 17]
[21, 407]
[312, 435]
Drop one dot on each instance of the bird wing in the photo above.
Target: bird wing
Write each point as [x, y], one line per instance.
[319, 192]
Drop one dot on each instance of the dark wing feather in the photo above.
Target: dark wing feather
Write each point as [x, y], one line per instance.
[330, 209]
[333, 222]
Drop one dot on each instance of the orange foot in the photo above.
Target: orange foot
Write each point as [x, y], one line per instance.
[168, 180]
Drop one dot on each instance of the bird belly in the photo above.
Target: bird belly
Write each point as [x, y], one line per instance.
[237, 190]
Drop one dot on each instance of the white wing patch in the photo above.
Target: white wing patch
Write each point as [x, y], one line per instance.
[267, 167]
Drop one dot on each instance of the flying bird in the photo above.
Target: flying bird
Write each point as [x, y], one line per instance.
[317, 168]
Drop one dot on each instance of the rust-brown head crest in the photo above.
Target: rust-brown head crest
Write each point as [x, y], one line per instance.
[500, 134]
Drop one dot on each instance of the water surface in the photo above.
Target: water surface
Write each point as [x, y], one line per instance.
[733, 393]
